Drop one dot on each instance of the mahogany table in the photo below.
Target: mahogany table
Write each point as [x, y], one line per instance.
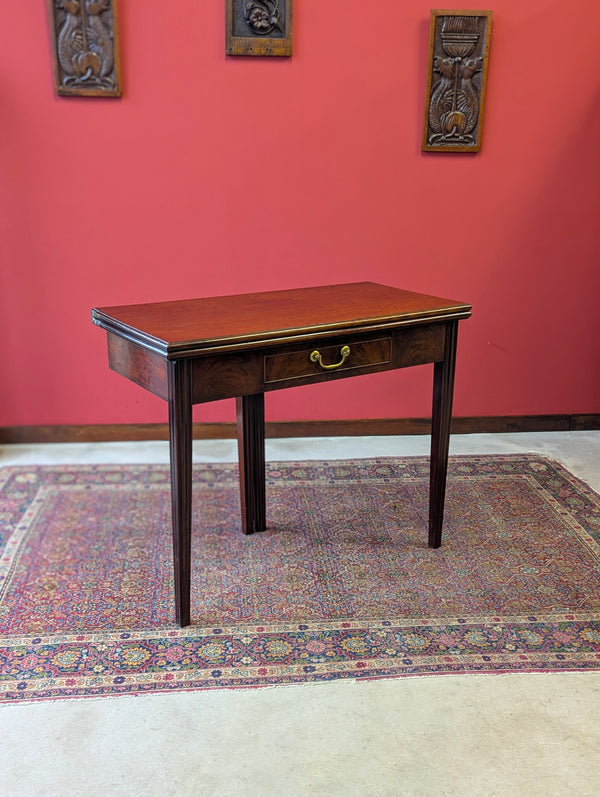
[198, 350]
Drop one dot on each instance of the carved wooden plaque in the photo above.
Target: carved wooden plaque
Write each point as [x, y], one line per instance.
[85, 47]
[258, 27]
[459, 44]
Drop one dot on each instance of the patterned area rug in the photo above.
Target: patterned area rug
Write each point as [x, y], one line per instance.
[341, 585]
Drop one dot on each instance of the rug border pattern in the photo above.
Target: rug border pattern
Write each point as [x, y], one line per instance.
[53, 666]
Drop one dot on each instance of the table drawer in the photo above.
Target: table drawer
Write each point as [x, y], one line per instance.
[318, 360]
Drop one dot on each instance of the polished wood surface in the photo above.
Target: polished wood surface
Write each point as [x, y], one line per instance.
[194, 326]
[293, 365]
[443, 386]
[200, 350]
[180, 449]
[250, 411]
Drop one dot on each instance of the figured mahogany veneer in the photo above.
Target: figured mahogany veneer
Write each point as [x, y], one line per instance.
[197, 350]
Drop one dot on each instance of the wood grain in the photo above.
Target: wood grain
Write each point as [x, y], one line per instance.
[180, 449]
[146, 369]
[297, 364]
[443, 388]
[250, 412]
[194, 327]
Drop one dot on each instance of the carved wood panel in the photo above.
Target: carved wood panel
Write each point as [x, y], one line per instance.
[85, 47]
[258, 27]
[459, 43]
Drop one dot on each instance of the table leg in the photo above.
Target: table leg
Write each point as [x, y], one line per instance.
[180, 446]
[443, 386]
[251, 455]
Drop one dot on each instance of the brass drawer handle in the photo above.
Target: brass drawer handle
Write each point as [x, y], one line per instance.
[315, 357]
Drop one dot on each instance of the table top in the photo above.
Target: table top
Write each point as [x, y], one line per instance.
[191, 327]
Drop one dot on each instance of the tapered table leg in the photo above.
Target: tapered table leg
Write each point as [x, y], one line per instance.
[443, 387]
[251, 454]
[180, 446]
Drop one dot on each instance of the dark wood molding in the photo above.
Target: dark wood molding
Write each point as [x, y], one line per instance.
[94, 433]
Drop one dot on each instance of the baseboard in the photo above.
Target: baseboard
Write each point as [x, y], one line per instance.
[93, 433]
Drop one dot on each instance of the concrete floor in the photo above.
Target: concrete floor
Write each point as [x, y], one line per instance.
[439, 735]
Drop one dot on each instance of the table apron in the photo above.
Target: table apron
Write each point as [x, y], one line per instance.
[277, 368]
[261, 370]
[139, 365]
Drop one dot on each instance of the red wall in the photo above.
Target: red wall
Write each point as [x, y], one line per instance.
[216, 175]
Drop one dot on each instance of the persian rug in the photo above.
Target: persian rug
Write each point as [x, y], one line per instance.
[341, 585]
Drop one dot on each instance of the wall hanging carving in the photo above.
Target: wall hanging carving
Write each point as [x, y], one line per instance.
[258, 27]
[459, 44]
[85, 47]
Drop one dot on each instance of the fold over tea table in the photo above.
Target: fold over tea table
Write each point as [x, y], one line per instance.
[198, 350]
